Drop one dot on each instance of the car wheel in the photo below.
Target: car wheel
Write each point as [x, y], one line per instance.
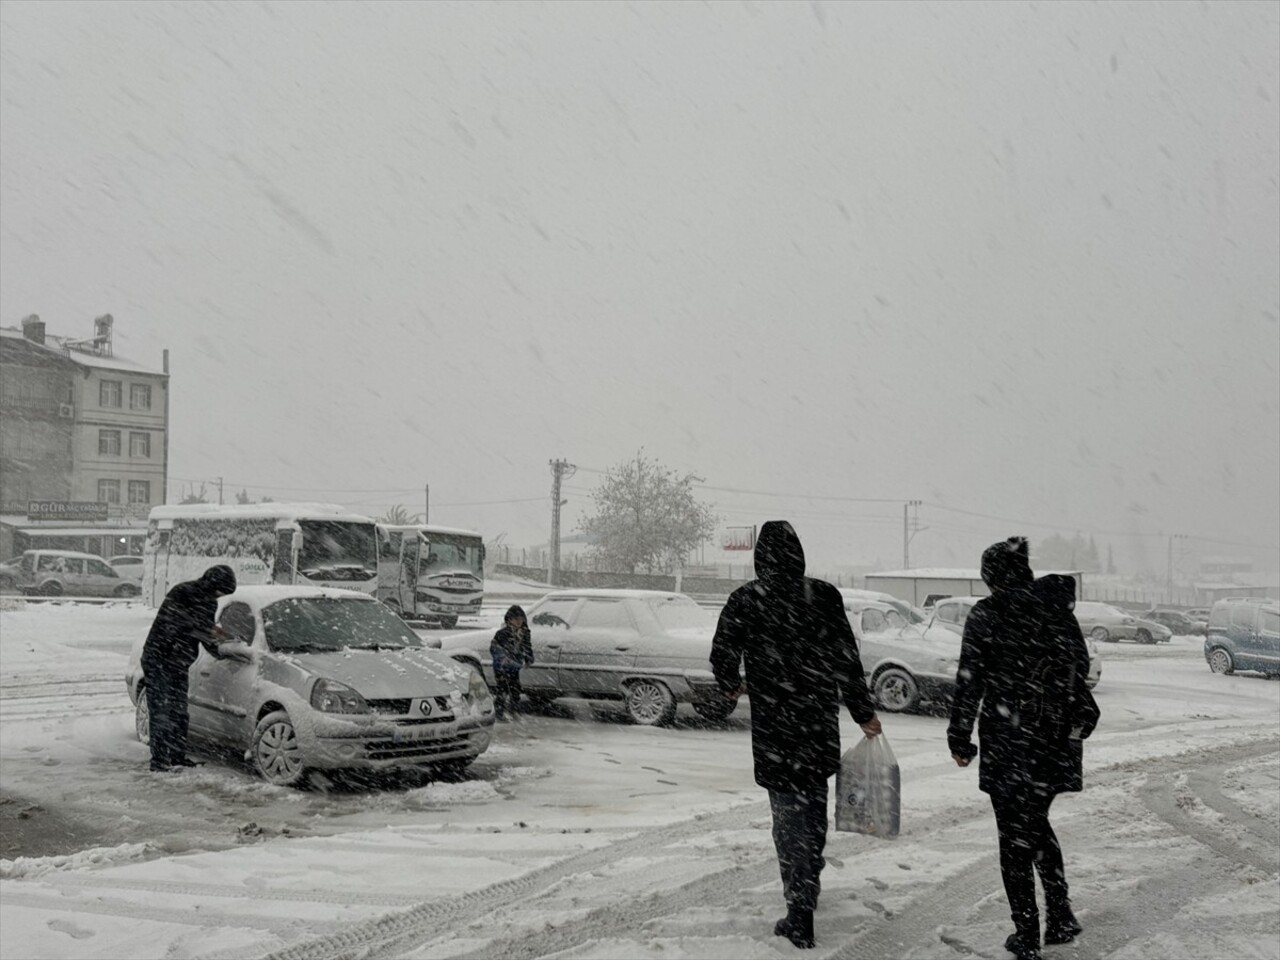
[277, 754]
[448, 623]
[1100, 635]
[1220, 661]
[127, 590]
[650, 703]
[142, 718]
[51, 589]
[896, 690]
[1143, 636]
[715, 709]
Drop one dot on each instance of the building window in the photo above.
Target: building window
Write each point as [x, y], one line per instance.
[139, 491]
[139, 445]
[139, 396]
[108, 443]
[109, 393]
[108, 491]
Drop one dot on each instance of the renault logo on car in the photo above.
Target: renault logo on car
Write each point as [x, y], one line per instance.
[425, 707]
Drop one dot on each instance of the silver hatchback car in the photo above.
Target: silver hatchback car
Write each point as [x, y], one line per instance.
[646, 649]
[319, 679]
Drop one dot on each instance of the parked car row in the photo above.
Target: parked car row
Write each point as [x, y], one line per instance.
[314, 679]
[57, 573]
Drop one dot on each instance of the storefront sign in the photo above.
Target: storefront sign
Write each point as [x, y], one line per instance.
[79, 510]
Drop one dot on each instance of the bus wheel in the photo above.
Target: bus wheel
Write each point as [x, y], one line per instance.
[448, 623]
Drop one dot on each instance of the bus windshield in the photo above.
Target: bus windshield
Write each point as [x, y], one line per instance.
[451, 553]
[338, 550]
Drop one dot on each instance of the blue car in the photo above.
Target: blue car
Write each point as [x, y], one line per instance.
[1244, 634]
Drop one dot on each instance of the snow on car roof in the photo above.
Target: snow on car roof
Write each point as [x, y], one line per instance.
[63, 553]
[260, 595]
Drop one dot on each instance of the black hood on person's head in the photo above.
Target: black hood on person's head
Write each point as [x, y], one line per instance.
[1057, 590]
[778, 551]
[1006, 565]
[219, 580]
[515, 610]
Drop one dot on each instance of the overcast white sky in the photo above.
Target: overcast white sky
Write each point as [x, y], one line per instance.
[1011, 259]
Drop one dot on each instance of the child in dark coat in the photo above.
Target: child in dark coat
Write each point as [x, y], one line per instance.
[511, 649]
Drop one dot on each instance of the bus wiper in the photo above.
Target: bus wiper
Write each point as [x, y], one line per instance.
[377, 646]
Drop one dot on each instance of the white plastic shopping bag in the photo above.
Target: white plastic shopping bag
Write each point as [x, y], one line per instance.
[868, 789]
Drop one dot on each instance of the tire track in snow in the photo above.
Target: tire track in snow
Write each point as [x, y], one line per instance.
[1110, 928]
[186, 916]
[395, 935]
[231, 891]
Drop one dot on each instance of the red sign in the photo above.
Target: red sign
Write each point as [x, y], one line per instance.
[738, 538]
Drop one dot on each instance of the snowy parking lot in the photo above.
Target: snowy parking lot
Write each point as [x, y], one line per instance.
[579, 835]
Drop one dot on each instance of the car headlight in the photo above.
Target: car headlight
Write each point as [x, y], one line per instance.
[477, 689]
[331, 696]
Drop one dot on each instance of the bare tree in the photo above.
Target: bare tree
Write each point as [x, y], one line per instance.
[646, 516]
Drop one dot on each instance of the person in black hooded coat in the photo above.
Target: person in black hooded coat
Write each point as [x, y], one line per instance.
[510, 651]
[184, 622]
[1024, 663]
[801, 662]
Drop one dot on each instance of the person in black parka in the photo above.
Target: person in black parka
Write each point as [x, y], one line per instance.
[510, 650]
[801, 662]
[1024, 664]
[184, 622]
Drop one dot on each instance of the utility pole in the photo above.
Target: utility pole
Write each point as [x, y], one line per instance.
[219, 491]
[908, 533]
[559, 470]
[1168, 580]
[426, 503]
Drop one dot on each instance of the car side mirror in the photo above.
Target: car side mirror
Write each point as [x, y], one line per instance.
[236, 650]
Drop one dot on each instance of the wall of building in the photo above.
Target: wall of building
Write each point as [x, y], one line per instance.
[128, 419]
[36, 425]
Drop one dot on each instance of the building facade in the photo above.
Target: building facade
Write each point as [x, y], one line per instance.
[79, 426]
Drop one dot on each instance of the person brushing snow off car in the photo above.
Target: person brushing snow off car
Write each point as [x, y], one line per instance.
[182, 625]
[510, 650]
[801, 661]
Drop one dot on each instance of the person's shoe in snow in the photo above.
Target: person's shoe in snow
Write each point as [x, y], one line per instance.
[796, 926]
[1061, 926]
[1022, 948]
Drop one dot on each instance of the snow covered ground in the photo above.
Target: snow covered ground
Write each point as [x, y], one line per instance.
[578, 835]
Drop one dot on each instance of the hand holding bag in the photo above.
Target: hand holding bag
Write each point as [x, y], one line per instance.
[869, 789]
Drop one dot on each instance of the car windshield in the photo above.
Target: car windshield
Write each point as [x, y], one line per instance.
[678, 613]
[317, 624]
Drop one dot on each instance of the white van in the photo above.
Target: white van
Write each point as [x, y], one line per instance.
[56, 573]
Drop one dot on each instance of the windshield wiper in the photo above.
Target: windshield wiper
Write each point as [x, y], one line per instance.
[377, 646]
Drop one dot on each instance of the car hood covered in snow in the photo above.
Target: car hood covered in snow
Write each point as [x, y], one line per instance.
[385, 674]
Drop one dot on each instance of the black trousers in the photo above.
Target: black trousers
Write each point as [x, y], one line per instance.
[800, 836]
[167, 706]
[507, 695]
[1029, 846]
